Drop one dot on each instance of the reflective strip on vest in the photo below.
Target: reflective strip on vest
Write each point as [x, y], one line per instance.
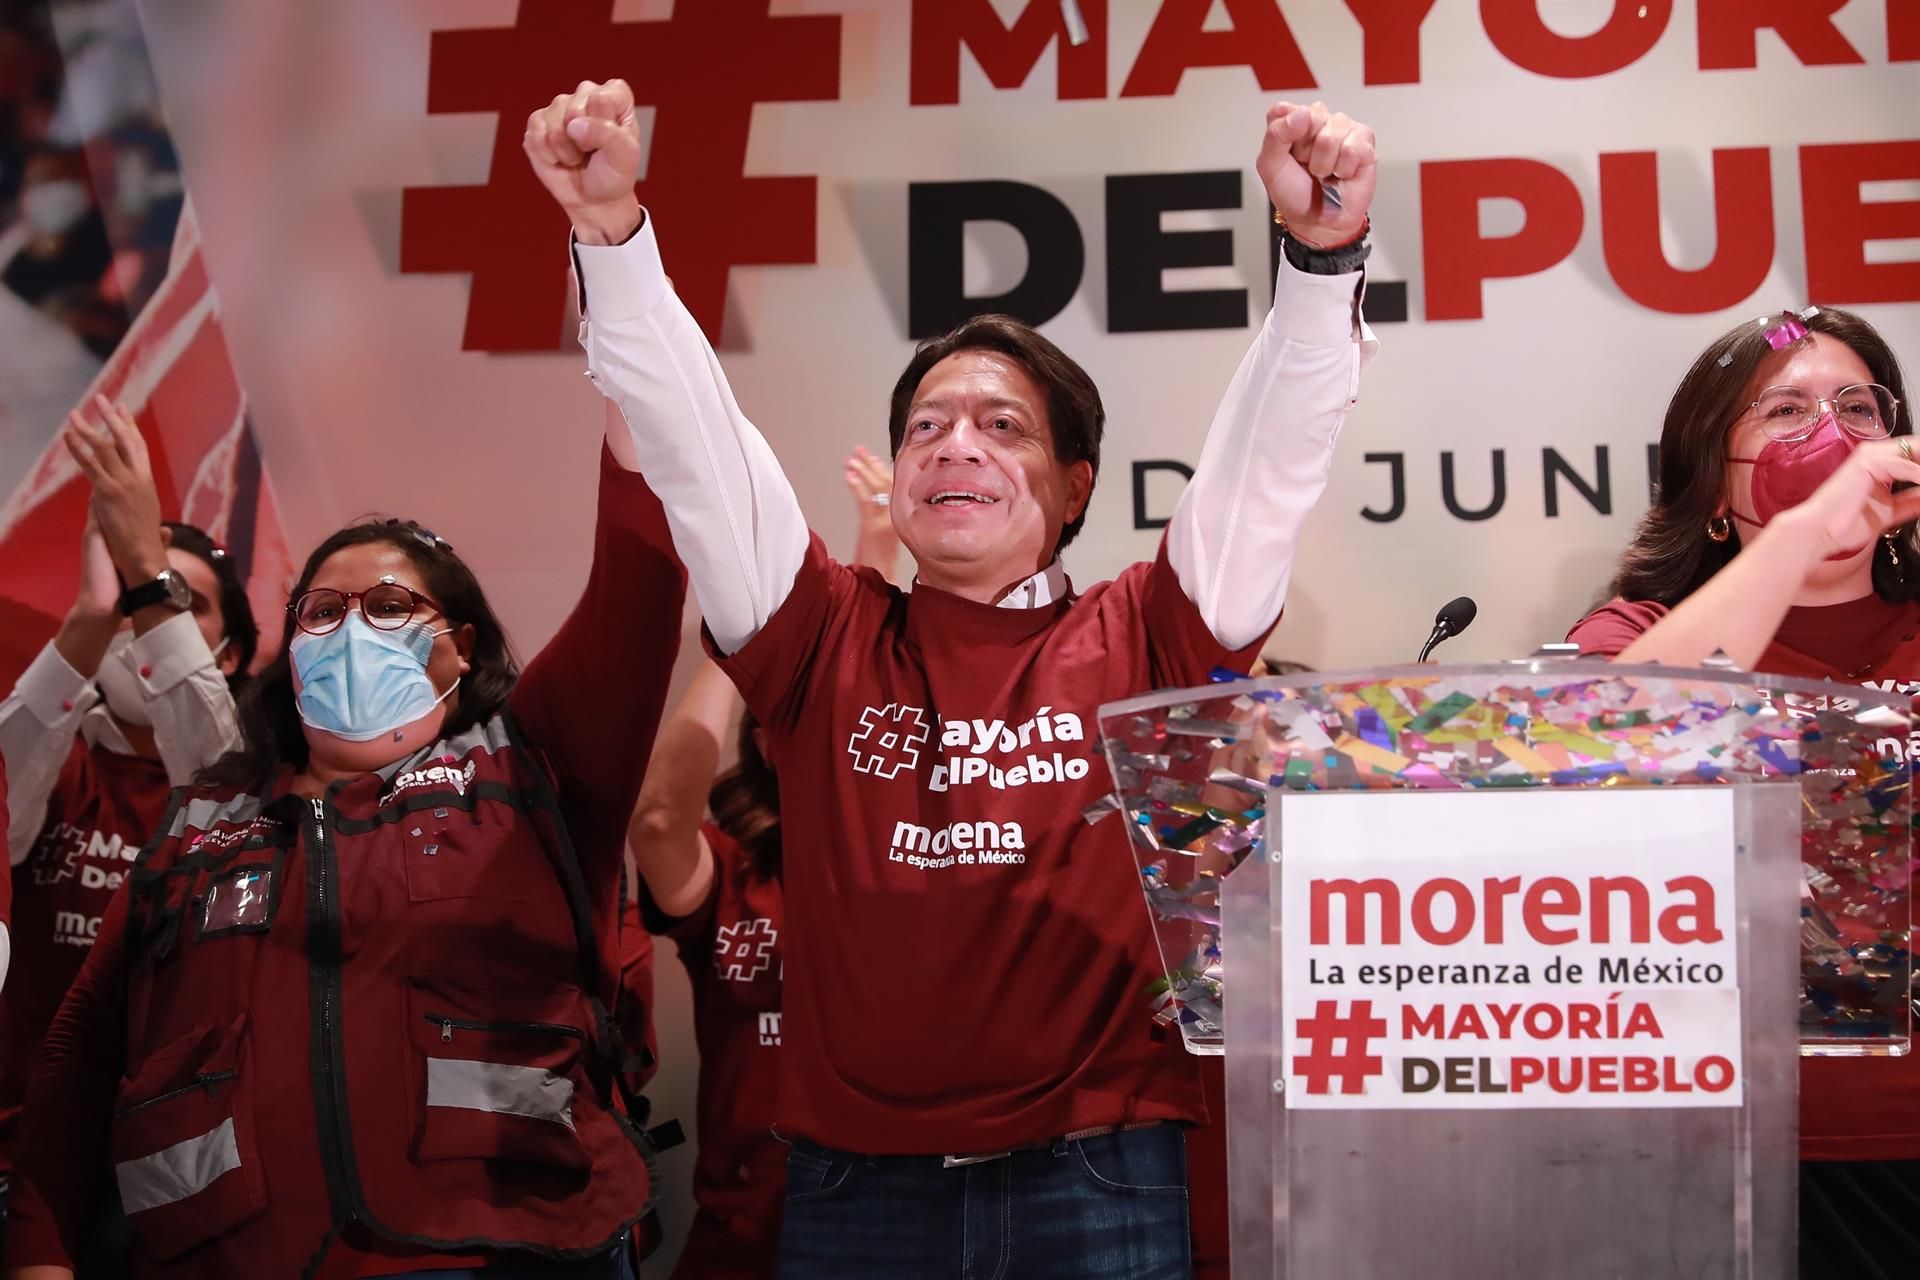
[498, 1087]
[490, 735]
[179, 1171]
[201, 814]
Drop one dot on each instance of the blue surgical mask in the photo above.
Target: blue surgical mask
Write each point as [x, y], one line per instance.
[358, 682]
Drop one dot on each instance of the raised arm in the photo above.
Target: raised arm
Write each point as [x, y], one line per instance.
[188, 698]
[1267, 456]
[669, 852]
[183, 691]
[1740, 608]
[876, 542]
[38, 721]
[592, 698]
[43, 711]
[735, 520]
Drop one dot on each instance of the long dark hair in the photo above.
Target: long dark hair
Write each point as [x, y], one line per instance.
[1671, 555]
[745, 802]
[270, 726]
[236, 611]
[1074, 412]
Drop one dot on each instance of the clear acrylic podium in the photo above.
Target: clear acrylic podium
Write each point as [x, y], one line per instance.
[1209, 782]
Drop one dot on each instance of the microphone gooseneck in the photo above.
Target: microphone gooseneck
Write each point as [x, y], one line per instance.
[1455, 616]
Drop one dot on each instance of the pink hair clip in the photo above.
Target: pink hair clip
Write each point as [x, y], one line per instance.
[1781, 329]
[1789, 329]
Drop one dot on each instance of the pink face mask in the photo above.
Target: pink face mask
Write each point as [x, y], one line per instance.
[1786, 472]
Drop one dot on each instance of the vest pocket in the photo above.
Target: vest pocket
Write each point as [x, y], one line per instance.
[499, 1075]
[184, 1146]
[460, 853]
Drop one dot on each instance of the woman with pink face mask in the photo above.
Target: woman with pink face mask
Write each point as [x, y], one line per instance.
[1783, 536]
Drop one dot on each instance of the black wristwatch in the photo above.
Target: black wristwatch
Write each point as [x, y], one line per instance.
[168, 588]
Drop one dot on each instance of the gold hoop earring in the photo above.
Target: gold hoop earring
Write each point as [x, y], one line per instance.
[1719, 529]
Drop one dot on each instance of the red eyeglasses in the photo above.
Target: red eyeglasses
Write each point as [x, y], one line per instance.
[387, 605]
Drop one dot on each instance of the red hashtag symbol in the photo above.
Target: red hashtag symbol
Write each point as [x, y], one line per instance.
[1356, 1031]
[702, 70]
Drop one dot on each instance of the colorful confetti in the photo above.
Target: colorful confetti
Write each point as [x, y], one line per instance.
[1192, 772]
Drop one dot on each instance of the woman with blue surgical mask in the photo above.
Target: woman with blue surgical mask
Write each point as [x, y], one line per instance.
[360, 660]
[352, 1015]
[131, 698]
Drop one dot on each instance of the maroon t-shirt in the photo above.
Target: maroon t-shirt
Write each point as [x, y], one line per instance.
[103, 807]
[1850, 1108]
[971, 957]
[731, 947]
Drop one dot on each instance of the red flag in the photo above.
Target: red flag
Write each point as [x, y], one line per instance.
[173, 372]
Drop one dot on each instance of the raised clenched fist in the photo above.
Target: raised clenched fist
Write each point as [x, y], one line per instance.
[1306, 147]
[585, 147]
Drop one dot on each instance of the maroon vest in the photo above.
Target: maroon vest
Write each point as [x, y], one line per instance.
[103, 808]
[385, 1007]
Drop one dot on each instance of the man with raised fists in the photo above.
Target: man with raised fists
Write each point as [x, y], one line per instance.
[969, 1070]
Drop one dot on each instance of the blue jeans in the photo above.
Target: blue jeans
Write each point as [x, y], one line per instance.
[1112, 1207]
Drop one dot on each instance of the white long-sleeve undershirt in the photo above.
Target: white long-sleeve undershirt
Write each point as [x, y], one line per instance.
[739, 528]
[187, 700]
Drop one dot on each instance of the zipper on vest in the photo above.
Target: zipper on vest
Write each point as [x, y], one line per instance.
[206, 1082]
[449, 1024]
[323, 992]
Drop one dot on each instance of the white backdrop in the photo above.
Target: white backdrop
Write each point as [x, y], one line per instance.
[301, 124]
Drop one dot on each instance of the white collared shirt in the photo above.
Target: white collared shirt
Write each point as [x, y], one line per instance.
[1043, 588]
[187, 697]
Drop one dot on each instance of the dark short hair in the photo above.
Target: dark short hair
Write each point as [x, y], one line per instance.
[270, 726]
[236, 611]
[1671, 556]
[1075, 417]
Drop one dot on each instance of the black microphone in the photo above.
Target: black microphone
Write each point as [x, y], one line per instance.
[1455, 616]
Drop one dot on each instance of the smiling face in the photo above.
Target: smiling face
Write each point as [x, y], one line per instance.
[979, 493]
